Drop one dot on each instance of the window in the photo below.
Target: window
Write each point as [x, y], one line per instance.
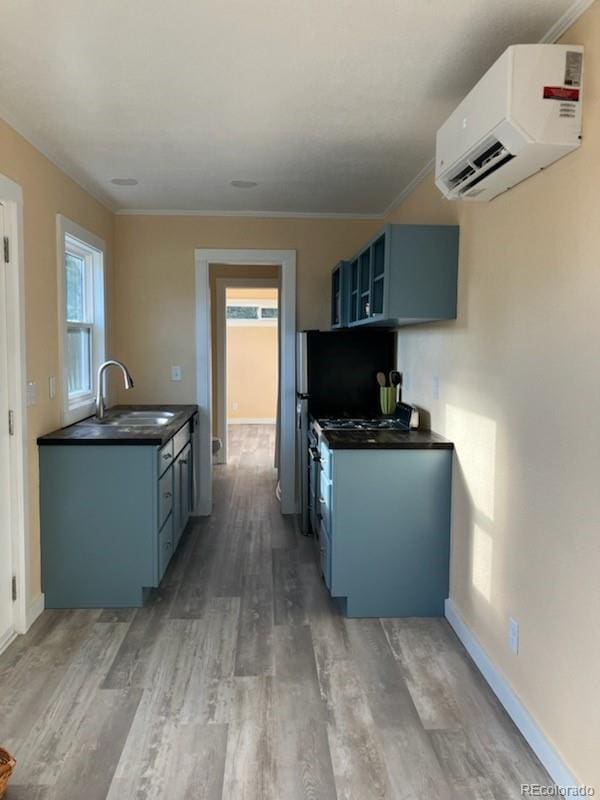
[81, 265]
[251, 312]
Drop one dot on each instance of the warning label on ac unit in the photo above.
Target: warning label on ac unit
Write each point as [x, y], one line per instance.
[561, 93]
[573, 64]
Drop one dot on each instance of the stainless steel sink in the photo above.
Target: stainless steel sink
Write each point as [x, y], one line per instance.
[137, 419]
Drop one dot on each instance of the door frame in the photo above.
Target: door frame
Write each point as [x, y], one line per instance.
[222, 285]
[11, 195]
[286, 260]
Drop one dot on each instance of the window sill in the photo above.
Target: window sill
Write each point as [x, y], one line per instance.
[79, 410]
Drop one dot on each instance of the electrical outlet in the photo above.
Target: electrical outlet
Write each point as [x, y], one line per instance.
[513, 635]
[175, 373]
[52, 387]
[235, 406]
[435, 387]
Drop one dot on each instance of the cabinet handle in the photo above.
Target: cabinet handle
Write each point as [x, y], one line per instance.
[183, 460]
[167, 456]
[322, 501]
[167, 495]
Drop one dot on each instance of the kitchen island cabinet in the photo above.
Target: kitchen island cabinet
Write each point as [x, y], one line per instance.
[114, 503]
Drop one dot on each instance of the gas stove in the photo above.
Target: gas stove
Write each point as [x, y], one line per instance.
[357, 424]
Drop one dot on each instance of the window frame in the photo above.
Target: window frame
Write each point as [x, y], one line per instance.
[71, 237]
[260, 304]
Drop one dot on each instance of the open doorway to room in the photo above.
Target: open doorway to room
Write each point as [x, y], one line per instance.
[251, 373]
[276, 269]
[227, 281]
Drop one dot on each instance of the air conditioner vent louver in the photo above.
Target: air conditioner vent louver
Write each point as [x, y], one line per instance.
[499, 162]
[464, 173]
[513, 123]
[490, 152]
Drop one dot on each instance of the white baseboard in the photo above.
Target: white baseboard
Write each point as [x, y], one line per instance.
[251, 421]
[34, 609]
[556, 768]
[6, 639]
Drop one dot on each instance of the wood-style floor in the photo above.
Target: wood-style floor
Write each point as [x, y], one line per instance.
[240, 680]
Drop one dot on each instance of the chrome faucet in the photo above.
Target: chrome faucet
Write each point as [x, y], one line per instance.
[128, 380]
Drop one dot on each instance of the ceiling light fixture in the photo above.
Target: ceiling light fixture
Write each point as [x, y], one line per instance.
[243, 184]
[124, 181]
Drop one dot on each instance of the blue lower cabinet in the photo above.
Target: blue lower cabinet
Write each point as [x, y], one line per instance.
[325, 553]
[111, 518]
[388, 549]
[165, 546]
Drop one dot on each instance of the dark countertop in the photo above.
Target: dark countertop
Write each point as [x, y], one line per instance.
[89, 431]
[345, 439]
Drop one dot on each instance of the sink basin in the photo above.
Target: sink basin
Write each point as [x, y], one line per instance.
[137, 419]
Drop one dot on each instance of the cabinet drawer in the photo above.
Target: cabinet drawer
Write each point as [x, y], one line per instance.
[325, 503]
[181, 438]
[165, 457]
[325, 454]
[165, 546]
[165, 496]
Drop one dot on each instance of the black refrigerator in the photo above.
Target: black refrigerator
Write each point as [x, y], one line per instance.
[336, 376]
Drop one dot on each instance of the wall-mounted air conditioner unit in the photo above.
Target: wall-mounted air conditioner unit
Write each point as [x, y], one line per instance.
[523, 114]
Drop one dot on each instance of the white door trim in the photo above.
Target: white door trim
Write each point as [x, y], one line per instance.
[11, 196]
[222, 285]
[286, 259]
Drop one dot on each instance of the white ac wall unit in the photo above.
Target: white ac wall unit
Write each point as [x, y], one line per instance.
[523, 114]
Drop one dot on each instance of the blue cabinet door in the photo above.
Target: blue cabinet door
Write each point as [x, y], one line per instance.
[405, 274]
[340, 294]
[385, 534]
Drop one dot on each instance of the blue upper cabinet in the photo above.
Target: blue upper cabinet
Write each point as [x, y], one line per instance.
[340, 276]
[403, 275]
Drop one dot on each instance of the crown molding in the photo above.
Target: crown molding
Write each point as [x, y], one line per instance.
[562, 24]
[161, 212]
[410, 187]
[69, 170]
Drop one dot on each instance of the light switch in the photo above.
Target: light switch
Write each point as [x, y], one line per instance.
[31, 393]
[52, 387]
[175, 373]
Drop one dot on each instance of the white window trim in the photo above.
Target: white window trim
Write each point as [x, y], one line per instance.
[83, 406]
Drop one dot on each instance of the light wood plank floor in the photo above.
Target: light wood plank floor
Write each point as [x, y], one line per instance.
[241, 681]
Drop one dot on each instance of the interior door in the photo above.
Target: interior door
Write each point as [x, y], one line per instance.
[6, 603]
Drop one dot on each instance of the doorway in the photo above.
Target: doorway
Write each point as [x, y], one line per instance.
[246, 351]
[286, 261]
[13, 529]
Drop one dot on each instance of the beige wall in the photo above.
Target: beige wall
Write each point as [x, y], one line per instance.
[252, 363]
[154, 290]
[46, 192]
[519, 395]
[252, 372]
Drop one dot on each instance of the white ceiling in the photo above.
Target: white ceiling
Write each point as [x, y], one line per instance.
[330, 105]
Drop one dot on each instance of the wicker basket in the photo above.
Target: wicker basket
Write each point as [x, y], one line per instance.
[7, 765]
